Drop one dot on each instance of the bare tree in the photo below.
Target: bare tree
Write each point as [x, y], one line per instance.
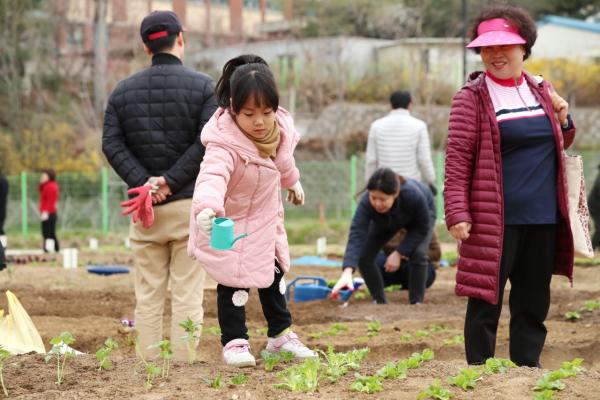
[100, 52]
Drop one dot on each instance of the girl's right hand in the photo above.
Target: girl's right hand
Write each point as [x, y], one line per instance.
[345, 282]
[204, 219]
[460, 231]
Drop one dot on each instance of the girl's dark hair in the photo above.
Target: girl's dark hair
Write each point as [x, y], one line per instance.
[385, 180]
[243, 77]
[518, 16]
[51, 174]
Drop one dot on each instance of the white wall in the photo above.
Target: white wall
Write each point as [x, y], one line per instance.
[556, 41]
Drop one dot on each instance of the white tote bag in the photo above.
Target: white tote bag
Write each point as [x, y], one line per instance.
[578, 209]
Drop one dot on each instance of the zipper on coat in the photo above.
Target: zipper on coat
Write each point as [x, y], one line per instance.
[248, 214]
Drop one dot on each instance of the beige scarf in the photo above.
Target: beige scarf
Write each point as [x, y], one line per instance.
[267, 146]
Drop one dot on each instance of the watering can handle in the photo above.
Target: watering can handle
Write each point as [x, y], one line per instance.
[243, 235]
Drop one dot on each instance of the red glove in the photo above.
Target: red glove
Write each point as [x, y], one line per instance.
[142, 203]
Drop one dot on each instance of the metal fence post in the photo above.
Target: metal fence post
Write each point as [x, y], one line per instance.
[24, 222]
[352, 183]
[104, 197]
[439, 178]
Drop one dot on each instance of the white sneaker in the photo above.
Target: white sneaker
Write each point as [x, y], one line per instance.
[237, 354]
[290, 343]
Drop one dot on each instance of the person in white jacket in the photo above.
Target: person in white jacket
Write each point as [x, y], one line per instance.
[400, 142]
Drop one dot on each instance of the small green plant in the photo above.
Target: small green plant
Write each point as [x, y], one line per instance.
[367, 384]
[435, 391]
[572, 368]
[191, 337]
[407, 337]
[497, 365]
[572, 315]
[152, 372]
[4, 355]
[466, 378]
[61, 351]
[591, 305]
[104, 352]
[217, 382]
[166, 353]
[437, 328]
[455, 340]
[262, 331]
[393, 288]
[373, 328]
[270, 360]
[393, 371]
[239, 379]
[332, 331]
[544, 395]
[421, 333]
[301, 377]
[215, 330]
[337, 365]
[549, 381]
[361, 295]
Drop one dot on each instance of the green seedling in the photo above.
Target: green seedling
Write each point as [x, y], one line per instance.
[166, 353]
[104, 352]
[393, 288]
[406, 337]
[572, 368]
[455, 340]
[591, 305]
[544, 395]
[262, 331]
[367, 384]
[437, 328]
[61, 353]
[435, 391]
[332, 331]
[466, 379]
[572, 315]
[373, 328]
[4, 355]
[497, 366]
[152, 372]
[270, 360]
[239, 379]
[338, 364]
[217, 382]
[421, 333]
[549, 381]
[301, 377]
[215, 330]
[191, 337]
[393, 371]
[286, 356]
[361, 295]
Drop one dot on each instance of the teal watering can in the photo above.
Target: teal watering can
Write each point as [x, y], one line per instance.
[222, 237]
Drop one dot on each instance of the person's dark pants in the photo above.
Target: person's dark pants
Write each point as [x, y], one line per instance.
[373, 276]
[49, 231]
[596, 235]
[528, 257]
[232, 319]
[401, 277]
[2, 259]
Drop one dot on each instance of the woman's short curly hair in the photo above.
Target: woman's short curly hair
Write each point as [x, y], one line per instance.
[518, 16]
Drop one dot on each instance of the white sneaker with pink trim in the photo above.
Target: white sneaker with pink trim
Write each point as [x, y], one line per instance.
[237, 354]
[290, 342]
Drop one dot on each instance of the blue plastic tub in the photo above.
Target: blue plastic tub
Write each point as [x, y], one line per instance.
[308, 288]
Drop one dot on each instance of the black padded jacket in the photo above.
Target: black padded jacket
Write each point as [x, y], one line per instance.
[153, 122]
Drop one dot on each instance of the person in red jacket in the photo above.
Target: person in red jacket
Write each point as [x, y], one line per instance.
[49, 194]
[505, 197]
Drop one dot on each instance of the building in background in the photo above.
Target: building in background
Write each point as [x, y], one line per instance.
[561, 37]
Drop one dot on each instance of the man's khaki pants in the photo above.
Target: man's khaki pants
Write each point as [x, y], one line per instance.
[160, 254]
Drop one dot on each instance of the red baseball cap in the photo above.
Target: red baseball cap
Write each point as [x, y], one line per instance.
[496, 32]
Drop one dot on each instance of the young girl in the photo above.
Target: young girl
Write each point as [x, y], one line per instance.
[249, 142]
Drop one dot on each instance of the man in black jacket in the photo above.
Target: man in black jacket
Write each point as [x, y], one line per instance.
[151, 135]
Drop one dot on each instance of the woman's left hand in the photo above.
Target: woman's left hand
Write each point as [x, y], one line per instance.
[561, 107]
[393, 261]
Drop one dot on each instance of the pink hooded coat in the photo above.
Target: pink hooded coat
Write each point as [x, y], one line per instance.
[237, 183]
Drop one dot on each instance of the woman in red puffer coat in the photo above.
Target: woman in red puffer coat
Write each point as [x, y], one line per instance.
[505, 190]
[49, 194]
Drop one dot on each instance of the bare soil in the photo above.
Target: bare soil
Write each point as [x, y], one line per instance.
[91, 306]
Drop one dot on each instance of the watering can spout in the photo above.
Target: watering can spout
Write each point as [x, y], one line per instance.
[243, 235]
